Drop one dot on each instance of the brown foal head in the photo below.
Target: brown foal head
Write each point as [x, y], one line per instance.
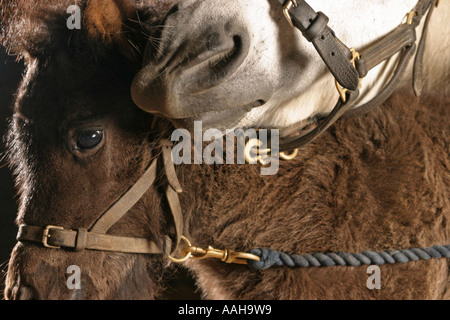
[77, 142]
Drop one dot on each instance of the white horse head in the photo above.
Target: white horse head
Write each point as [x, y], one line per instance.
[239, 63]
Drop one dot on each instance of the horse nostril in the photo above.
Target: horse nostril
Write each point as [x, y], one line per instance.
[233, 54]
[174, 9]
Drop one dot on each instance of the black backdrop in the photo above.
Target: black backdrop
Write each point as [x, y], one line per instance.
[181, 284]
[10, 74]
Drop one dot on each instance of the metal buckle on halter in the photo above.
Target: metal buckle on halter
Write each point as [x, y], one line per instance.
[342, 91]
[288, 6]
[46, 235]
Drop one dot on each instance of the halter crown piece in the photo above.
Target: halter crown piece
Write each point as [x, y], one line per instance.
[348, 67]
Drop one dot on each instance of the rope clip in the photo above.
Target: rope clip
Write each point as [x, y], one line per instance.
[227, 256]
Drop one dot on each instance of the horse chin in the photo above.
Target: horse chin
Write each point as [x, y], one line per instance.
[224, 121]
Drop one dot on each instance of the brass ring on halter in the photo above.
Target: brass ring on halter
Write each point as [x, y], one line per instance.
[289, 156]
[186, 257]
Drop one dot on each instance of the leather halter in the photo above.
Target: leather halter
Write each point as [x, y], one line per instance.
[96, 238]
[56, 237]
[346, 65]
[350, 67]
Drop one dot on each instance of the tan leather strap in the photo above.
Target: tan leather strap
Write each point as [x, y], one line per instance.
[172, 179]
[401, 37]
[54, 237]
[388, 89]
[126, 201]
[173, 188]
[418, 61]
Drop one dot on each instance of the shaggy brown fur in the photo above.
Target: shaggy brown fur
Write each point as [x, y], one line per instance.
[377, 182]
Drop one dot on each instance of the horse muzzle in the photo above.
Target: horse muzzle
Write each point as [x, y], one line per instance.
[192, 74]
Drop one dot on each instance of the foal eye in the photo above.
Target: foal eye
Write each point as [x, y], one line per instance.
[89, 138]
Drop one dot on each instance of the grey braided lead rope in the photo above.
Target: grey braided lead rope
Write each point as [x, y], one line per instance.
[271, 258]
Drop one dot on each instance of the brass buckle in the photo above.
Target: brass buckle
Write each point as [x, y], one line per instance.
[342, 91]
[288, 6]
[46, 235]
[289, 156]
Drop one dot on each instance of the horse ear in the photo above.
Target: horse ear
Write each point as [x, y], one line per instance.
[103, 20]
[125, 23]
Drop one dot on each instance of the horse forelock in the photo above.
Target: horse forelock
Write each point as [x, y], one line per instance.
[37, 28]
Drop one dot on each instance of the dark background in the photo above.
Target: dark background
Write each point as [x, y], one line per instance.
[181, 285]
[10, 74]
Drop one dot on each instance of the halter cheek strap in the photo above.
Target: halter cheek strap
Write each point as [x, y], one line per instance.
[314, 27]
[96, 238]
